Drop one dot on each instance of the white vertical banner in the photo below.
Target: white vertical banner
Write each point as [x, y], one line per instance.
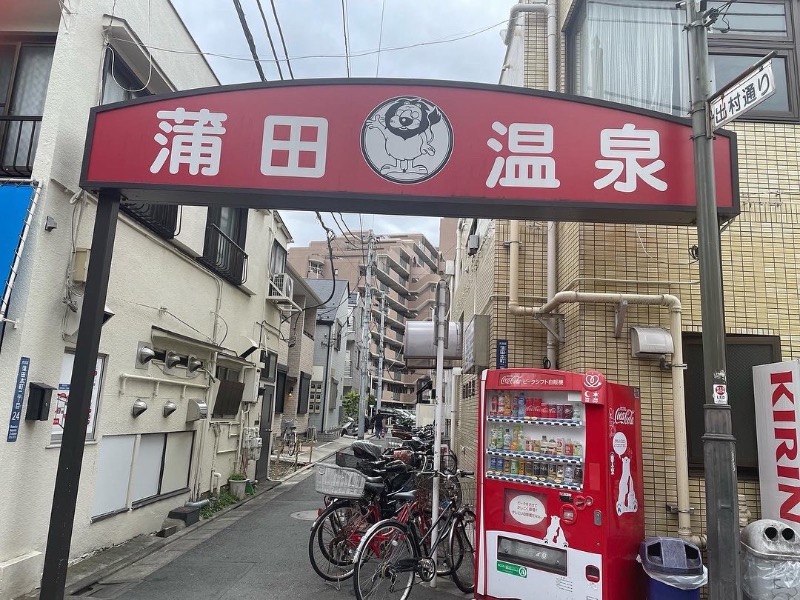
[776, 387]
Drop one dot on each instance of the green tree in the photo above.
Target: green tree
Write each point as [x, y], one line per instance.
[351, 401]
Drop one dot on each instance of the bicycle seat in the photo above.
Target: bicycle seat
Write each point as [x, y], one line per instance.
[374, 480]
[410, 495]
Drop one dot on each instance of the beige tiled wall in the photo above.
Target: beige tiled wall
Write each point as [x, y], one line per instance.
[760, 251]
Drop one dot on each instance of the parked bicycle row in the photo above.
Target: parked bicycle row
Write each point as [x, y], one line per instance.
[377, 526]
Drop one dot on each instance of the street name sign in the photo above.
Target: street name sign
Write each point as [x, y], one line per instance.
[751, 89]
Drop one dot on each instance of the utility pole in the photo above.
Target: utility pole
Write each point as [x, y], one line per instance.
[365, 320]
[441, 332]
[719, 445]
[381, 350]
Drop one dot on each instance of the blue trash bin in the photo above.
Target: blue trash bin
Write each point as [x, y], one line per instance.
[674, 569]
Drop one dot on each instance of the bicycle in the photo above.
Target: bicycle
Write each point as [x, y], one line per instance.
[288, 437]
[394, 551]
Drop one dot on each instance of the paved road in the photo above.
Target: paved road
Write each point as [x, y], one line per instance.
[262, 555]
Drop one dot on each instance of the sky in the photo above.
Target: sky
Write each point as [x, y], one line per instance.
[314, 35]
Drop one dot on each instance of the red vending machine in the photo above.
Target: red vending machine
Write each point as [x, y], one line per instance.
[559, 503]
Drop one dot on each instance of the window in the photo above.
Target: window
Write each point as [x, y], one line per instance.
[747, 32]
[229, 393]
[605, 61]
[223, 252]
[270, 368]
[126, 478]
[305, 381]
[277, 259]
[24, 76]
[743, 352]
[280, 391]
[314, 268]
[119, 81]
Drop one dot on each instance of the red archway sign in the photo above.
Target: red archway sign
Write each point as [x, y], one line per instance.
[404, 147]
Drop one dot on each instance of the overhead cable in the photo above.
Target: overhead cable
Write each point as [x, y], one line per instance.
[283, 40]
[249, 37]
[269, 37]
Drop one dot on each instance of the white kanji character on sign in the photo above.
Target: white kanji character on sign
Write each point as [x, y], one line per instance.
[527, 168]
[630, 145]
[196, 142]
[294, 146]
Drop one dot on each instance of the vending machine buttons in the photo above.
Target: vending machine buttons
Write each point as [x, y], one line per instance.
[592, 573]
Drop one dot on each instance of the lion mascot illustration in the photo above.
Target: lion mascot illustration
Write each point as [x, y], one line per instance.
[406, 127]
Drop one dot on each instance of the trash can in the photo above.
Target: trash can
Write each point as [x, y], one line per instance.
[770, 552]
[674, 569]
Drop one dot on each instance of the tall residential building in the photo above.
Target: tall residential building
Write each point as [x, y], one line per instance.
[405, 272]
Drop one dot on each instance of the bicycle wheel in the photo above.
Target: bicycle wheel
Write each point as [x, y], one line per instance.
[462, 551]
[385, 563]
[334, 539]
[292, 443]
[448, 463]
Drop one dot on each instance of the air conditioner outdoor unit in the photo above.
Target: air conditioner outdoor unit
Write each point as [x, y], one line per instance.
[283, 284]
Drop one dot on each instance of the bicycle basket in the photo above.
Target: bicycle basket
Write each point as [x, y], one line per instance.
[348, 459]
[339, 482]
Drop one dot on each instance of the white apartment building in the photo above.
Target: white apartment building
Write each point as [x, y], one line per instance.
[193, 286]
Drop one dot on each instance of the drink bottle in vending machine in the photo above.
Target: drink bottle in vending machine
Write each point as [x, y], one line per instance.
[559, 487]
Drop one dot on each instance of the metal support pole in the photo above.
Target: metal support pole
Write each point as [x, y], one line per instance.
[70, 457]
[381, 350]
[441, 313]
[365, 342]
[719, 445]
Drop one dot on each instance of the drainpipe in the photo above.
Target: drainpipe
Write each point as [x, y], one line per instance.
[325, 389]
[678, 403]
[548, 7]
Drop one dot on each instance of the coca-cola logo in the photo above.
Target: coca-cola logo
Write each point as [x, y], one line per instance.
[623, 416]
[511, 380]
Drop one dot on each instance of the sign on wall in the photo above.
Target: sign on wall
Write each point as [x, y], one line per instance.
[16, 209]
[19, 396]
[776, 387]
[426, 148]
[62, 397]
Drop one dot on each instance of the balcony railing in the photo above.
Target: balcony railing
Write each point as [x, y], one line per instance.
[160, 218]
[224, 256]
[18, 139]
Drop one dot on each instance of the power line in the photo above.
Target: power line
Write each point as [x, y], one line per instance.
[380, 39]
[319, 56]
[269, 37]
[249, 37]
[283, 40]
[346, 37]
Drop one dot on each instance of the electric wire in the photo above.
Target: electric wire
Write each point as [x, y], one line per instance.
[346, 37]
[283, 40]
[269, 37]
[322, 56]
[249, 37]
[380, 40]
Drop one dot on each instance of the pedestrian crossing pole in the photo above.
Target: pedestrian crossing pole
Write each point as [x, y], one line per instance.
[719, 445]
[365, 321]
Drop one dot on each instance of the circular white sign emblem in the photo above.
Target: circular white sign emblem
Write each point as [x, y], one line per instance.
[527, 510]
[406, 139]
[620, 443]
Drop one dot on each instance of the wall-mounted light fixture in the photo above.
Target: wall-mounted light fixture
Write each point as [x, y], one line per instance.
[138, 407]
[171, 359]
[169, 408]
